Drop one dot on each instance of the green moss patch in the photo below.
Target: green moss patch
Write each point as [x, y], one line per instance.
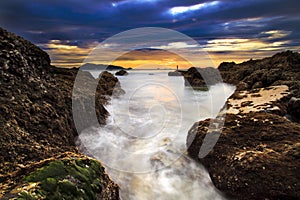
[65, 179]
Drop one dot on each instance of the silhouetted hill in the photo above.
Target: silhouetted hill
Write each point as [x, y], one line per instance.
[92, 66]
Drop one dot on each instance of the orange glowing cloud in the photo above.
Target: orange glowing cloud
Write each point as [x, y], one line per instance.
[151, 58]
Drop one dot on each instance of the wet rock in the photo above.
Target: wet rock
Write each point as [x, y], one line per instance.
[256, 156]
[67, 176]
[109, 85]
[122, 72]
[36, 119]
[201, 78]
[281, 69]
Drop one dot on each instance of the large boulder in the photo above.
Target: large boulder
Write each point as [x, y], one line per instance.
[65, 176]
[36, 120]
[257, 153]
[122, 72]
[201, 78]
[256, 156]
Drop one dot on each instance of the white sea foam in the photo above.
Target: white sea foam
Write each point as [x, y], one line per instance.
[143, 144]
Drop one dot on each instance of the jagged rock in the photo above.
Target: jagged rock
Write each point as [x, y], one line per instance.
[201, 78]
[122, 72]
[226, 66]
[109, 84]
[280, 69]
[256, 156]
[36, 120]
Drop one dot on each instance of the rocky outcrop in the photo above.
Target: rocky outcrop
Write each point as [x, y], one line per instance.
[280, 69]
[257, 153]
[201, 78]
[258, 100]
[66, 176]
[256, 156]
[36, 109]
[122, 72]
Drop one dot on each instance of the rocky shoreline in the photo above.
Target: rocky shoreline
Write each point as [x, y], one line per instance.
[257, 154]
[37, 128]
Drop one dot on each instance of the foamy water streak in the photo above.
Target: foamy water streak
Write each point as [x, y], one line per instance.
[143, 145]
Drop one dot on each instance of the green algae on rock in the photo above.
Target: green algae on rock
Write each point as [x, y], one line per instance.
[65, 179]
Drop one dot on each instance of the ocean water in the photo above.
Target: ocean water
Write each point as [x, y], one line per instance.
[143, 145]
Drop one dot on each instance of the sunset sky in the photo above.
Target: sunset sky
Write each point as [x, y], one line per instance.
[228, 30]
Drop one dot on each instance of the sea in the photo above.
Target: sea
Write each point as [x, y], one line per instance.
[143, 144]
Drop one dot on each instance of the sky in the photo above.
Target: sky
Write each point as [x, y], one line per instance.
[227, 30]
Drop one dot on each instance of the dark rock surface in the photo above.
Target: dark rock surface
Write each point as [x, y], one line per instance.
[280, 69]
[256, 157]
[294, 108]
[36, 108]
[175, 73]
[122, 72]
[257, 154]
[201, 78]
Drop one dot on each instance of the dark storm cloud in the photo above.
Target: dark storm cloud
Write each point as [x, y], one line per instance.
[273, 14]
[77, 22]
[91, 19]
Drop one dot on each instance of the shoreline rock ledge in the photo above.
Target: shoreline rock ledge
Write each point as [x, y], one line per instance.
[38, 155]
[257, 155]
